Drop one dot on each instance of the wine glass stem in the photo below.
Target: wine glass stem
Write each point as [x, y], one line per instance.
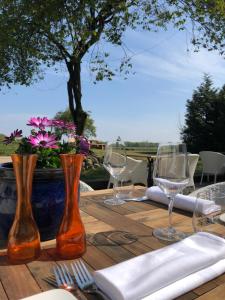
[115, 187]
[170, 209]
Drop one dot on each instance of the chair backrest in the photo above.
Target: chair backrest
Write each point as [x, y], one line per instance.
[213, 162]
[131, 166]
[194, 193]
[193, 160]
[116, 158]
[136, 171]
[166, 165]
[172, 167]
[140, 174]
[84, 187]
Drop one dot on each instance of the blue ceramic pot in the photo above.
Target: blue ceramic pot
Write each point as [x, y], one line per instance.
[47, 201]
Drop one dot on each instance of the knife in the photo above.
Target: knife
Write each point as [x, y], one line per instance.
[137, 199]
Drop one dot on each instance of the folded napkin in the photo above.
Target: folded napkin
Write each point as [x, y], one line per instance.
[56, 294]
[182, 201]
[165, 273]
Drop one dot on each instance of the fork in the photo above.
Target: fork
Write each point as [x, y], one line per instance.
[85, 280]
[63, 278]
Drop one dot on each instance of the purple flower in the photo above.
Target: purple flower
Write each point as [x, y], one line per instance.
[15, 134]
[44, 140]
[70, 126]
[64, 125]
[40, 123]
[58, 123]
[84, 145]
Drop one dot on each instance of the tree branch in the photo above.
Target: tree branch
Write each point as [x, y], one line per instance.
[65, 54]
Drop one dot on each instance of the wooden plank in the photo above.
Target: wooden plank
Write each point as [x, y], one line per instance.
[208, 286]
[128, 241]
[119, 209]
[41, 269]
[97, 259]
[86, 218]
[23, 285]
[117, 221]
[187, 296]
[157, 218]
[137, 248]
[220, 280]
[185, 226]
[217, 293]
[97, 226]
[138, 206]
[117, 253]
[3, 295]
[152, 242]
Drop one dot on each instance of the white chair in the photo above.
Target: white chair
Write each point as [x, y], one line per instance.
[194, 193]
[84, 187]
[135, 172]
[193, 160]
[213, 164]
[140, 174]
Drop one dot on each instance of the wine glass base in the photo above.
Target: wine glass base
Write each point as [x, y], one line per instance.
[168, 234]
[114, 201]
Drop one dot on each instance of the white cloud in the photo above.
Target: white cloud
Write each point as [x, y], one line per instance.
[178, 66]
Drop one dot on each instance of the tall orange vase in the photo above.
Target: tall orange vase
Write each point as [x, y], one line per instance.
[71, 238]
[23, 239]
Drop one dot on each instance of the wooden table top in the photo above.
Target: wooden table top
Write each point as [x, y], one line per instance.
[114, 234]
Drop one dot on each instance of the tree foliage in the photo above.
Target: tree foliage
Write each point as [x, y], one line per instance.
[89, 128]
[39, 34]
[205, 118]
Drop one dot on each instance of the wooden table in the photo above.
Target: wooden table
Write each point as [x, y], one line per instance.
[114, 234]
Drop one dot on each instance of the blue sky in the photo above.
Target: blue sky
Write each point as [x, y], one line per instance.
[148, 106]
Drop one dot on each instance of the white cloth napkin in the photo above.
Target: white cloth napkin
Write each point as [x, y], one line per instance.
[182, 201]
[56, 294]
[165, 273]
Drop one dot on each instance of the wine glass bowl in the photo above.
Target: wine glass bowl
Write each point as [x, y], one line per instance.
[171, 174]
[212, 220]
[115, 163]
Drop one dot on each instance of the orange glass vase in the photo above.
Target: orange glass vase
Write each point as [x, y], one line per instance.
[23, 239]
[71, 238]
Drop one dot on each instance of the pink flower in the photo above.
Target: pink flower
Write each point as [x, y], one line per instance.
[58, 123]
[15, 134]
[44, 140]
[41, 123]
[64, 125]
[84, 145]
[70, 126]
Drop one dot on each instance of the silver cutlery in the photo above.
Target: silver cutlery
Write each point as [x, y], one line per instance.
[63, 278]
[85, 280]
[137, 199]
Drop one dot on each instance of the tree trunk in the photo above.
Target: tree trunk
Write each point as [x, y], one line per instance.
[74, 96]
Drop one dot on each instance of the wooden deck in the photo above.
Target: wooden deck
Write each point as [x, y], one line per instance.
[114, 234]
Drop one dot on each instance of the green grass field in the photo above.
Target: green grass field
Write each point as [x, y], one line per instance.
[6, 150]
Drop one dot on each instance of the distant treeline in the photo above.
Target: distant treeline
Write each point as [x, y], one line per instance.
[140, 144]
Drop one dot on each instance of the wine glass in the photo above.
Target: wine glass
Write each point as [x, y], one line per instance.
[209, 212]
[171, 174]
[127, 178]
[115, 163]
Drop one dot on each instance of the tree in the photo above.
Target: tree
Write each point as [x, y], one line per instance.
[39, 34]
[205, 119]
[89, 128]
